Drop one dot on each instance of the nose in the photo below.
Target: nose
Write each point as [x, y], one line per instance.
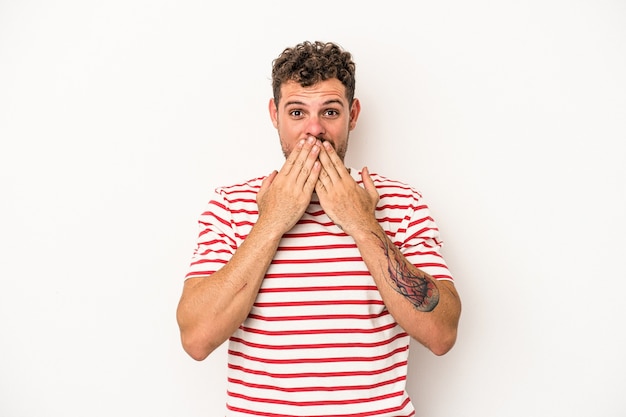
[315, 127]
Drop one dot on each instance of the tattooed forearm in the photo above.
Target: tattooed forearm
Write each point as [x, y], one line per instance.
[418, 288]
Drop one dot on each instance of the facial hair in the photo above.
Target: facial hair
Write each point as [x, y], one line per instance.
[341, 151]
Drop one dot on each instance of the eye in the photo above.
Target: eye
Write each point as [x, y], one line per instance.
[295, 113]
[331, 113]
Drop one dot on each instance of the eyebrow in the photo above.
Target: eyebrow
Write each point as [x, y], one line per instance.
[326, 103]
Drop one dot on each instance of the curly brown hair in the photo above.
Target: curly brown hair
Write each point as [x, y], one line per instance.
[311, 62]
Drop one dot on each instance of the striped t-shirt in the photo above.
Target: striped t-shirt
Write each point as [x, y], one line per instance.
[318, 340]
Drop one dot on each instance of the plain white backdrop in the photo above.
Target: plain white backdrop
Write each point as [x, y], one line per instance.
[117, 118]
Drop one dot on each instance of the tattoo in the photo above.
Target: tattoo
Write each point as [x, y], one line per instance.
[419, 288]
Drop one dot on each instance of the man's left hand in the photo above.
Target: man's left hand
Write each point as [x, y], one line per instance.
[349, 206]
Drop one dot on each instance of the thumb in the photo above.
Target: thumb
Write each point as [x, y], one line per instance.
[368, 183]
[269, 179]
[265, 184]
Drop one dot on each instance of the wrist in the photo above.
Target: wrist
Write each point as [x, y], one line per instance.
[365, 230]
[270, 231]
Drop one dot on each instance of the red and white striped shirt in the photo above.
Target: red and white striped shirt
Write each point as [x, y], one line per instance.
[318, 340]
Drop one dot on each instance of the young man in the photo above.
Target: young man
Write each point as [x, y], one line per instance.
[317, 275]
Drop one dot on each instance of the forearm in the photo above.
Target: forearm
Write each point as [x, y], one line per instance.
[212, 308]
[427, 309]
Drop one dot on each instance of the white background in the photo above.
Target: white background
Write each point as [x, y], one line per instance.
[117, 118]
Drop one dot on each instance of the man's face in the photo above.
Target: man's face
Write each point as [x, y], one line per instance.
[321, 111]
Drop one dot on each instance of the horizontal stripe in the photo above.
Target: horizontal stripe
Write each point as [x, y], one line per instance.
[316, 247]
[315, 403]
[382, 412]
[318, 303]
[315, 345]
[368, 373]
[315, 360]
[320, 288]
[318, 331]
[317, 274]
[317, 260]
[317, 388]
[292, 235]
[317, 317]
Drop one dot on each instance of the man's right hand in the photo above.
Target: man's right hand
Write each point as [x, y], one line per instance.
[285, 195]
[210, 310]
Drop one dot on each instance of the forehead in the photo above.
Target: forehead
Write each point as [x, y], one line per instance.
[327, 90]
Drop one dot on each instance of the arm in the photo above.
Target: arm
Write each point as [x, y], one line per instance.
[212, 308]
[427, 309]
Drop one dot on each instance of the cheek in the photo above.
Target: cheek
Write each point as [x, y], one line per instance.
[286, 143]
[289, 134]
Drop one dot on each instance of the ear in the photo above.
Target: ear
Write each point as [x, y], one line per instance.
[355, 109]
[273, 112]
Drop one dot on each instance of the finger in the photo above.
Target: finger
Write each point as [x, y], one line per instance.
[311, 182]
[306, 160]
[265, 184]
[298, 156]
[336, 160]
[334, 164]
[269, 179]
[292, 159]
[329, 171]
[324, 177]
[368, 183]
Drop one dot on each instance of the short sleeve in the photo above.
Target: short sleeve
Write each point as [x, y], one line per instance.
[420, 240]
[216, 241]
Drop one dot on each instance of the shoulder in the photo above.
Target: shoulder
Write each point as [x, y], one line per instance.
[233, 203]
[240, 189]
[389, 187]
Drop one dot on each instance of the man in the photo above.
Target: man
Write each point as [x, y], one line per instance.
[317, 275]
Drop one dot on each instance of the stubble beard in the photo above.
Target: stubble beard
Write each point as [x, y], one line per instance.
[341, 152]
